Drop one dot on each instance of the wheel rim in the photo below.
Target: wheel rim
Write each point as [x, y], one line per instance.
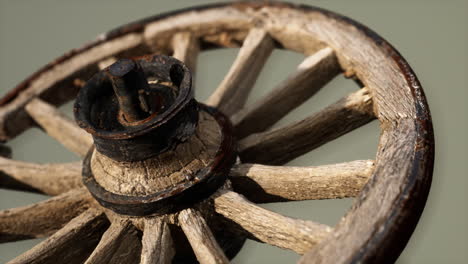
[396, 192]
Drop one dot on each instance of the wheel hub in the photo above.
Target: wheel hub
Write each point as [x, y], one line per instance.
[156, 150]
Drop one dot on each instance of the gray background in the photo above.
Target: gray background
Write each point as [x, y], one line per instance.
[432, 35]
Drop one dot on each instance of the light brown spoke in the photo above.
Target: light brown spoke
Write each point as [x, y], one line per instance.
[311, 75]
[266, 184]
[106, 62]
[233, 91]
[201, 238]
[157, 243]
[270, 227]
[57, 81]
[60, 127]
[281, 145]
[110, 248]
[52, 179]
[71, 244]
[186, 48]
[43, 218]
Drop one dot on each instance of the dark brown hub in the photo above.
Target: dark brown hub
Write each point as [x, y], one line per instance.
[137, 110]
[125, 123]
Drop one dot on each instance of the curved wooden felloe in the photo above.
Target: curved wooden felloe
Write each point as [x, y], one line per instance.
[385, 211]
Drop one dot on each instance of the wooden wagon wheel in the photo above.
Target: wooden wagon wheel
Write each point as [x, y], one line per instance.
[390, 191]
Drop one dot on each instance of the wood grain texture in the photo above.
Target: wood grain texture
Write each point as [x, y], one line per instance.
[262, 184]
[185, 48]
[157, 242]
[281, 145]
[233, 91]
[158, 34]
[201, 238]
[310, 76]
[269, 227]
[51, 179]
[358, 232]
[110, 242]
[397, 94]
[60, 127]
[43, 218]
[162, 171]
[71, 244]
[55, 82]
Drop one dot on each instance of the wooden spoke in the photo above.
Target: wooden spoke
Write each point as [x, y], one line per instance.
[157, 243]
[270, 227]
[201, 238]
[281, 145]
[107, 251]
[106, 62]
[311, 75]
[71, 244]
[58, 126]
[186, 48]
[43, 218]
[233, 91]
[56, 81]
[262, 184]
[52, 179]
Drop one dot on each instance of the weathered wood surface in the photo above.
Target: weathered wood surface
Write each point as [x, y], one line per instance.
[201, 238]
[269, 227]
[55, 82]
[106, 62]
[43, 218]
[365, 233]
[162, 171]
[261, 184]
[60, 127]
[185, 48]
[234, 90]
[52, 179]
[396, 92]
[110, 242]
[157, 243]
[71, 244]
[310, 76]
[281, 145]
[214, 27]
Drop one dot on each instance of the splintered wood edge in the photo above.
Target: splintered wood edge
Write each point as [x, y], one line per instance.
[398, 102]
[260, 183]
